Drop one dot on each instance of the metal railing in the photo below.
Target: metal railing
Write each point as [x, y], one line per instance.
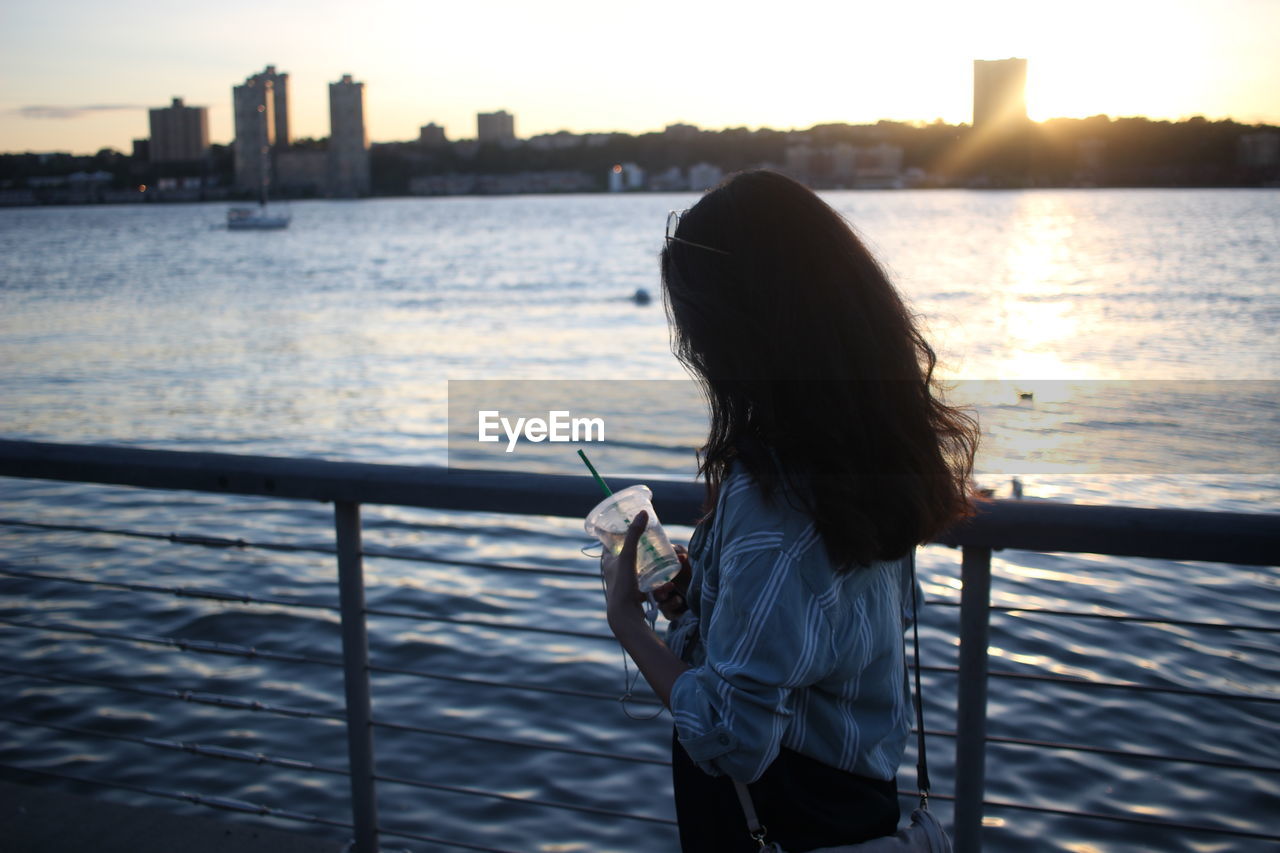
[1244, 539]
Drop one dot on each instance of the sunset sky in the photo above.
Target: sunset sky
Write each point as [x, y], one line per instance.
[78, 75]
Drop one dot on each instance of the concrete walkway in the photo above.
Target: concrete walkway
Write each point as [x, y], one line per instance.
[36, 820]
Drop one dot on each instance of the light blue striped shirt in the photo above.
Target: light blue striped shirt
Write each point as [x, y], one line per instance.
[784, 650]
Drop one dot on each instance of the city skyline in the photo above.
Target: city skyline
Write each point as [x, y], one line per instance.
[562, 67]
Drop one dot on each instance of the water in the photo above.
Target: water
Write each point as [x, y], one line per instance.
[338, 339]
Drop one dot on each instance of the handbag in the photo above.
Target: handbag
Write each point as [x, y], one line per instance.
[924, 834]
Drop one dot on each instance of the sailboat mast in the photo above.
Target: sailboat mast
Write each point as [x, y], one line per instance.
[264, 150]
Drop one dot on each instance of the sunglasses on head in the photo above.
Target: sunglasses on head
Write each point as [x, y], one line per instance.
[673, 225]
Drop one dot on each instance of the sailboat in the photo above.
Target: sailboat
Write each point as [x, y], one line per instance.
[255, 218]
[258, 218]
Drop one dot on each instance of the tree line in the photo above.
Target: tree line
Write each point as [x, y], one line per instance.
[1098, 151]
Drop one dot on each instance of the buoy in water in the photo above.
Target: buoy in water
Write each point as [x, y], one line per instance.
[641, 296]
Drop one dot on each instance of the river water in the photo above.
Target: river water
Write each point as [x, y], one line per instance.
[1141, 323]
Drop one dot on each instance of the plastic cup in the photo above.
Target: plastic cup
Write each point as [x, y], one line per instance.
[656, 560]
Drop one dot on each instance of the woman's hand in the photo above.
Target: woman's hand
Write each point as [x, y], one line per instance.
[622, 592]
[672, 596]
[622, 602]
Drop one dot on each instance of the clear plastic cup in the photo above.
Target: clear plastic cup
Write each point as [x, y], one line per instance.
[656, 560]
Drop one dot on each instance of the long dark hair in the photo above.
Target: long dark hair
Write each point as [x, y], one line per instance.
[817, 377]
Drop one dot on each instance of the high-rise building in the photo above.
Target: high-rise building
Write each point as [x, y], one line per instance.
[261, 111]
[999, 93]
[178, 133]
[348, 141]
[253, 104]
[279, 103]
[495, 127]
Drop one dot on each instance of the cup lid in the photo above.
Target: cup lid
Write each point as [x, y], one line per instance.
[604, 505]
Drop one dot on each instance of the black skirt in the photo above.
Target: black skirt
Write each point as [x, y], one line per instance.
[802, 802]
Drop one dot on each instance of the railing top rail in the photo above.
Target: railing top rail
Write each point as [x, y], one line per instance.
[1033, 525]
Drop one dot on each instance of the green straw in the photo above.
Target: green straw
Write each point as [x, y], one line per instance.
[645, 541]
[608, 493]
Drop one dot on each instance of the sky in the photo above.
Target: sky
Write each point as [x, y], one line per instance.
[78, 75]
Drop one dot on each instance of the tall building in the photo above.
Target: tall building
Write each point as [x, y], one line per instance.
[253, 105]
[348, 141]
[999, 93]
[179, 133]
[279, 103]
[261, 111]
[495, 127]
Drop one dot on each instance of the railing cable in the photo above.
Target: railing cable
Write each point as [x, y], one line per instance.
[513, 685]
[244, 756]
[1116, 617]
[180, 695]
[415, 836]
[1124, 685]
[206, 646]
[254, 705]
[1119, 753]
[206, 750]
[245, 598]
[230, 804]
[232, 650]
[510, 798]
[1140, 821]
[1099, 816]
[225, 803]
[526, 744]
[221, 542]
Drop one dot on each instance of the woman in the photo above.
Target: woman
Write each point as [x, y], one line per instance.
[829, 459]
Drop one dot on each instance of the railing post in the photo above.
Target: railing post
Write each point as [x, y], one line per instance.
[971, 699]
[355, 672]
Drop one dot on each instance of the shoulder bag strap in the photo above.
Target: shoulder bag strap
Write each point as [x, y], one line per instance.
[758, 832]
[922, 758]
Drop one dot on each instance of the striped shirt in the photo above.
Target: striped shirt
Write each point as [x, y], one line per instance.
[784, 650]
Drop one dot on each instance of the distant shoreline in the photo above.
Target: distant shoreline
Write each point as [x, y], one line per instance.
[154, 201]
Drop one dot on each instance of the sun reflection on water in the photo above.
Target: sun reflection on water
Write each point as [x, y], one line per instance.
[1036, 312]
